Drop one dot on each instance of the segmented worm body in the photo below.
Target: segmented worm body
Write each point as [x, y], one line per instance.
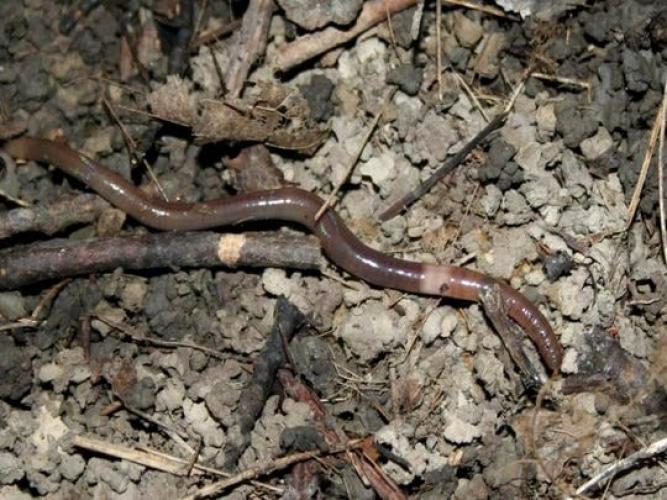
[296, 205]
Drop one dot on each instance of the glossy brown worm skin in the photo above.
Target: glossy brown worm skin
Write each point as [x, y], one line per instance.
[295, 205]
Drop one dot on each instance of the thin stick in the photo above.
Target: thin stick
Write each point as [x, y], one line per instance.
[306, 47]
[138, 337]
[10, 165]
[482, 8]
[133, 455]
[472, 96]
[438, 46]
[263, 468]
[657, 448]
[448, 166]
[328, 203]
[33, 321]
[650, 150]
[392, 35]
[661, 180]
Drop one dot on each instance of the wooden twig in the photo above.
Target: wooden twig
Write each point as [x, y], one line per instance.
[287, 320]
[251, 44]
[158, 462]
[472, 95]
[572, 82]
[35, 319]
[661, 174]
[10, 167]
[648, 156]
[215, 34]
[647, 453]
[154, 459]
[482, 8]
[309, 46]
[371, 128]
[396, 207]
[494, 308]
[49, 219]
[438, 45]
[264, 468]
[168, 344]
[59, 259]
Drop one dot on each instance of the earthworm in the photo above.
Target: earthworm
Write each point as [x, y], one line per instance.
[299, 206]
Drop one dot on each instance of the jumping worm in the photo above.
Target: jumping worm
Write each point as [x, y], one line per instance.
[296, 205]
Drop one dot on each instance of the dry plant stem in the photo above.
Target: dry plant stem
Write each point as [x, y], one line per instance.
[10, 166]
[34, 320]
[251, 44]
[153, 458]
[438, 45]
[176, 435]
[131, 146]
[661, 174]
[494, 309]
[216, 34]
[23, 265]
[140, 457]
[650, 452]
[573, 82]
[533, 432]
[650, 150]
[209, 470]
[417, 19]
[448, 166]
[299, 206]
[49, 219]
[287, 320]
[482, 8]
[329, 202]
[138, 337]
[263, 468]
[310, 46]
[472, 96]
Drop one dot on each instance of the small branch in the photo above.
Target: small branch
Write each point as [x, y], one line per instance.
[309, 46]
[396, 207]
[264, 468]
[35, 319]
[251, 44]
[650, 452]
[153, 459]
[648, 156]
[215, 34]
[49, 219]
[168, 344]
[287, 320]
[56, 259]
[482, 8]
[171, 465]
[438, 45]
[661, 174]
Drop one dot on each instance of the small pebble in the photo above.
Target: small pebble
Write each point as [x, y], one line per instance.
[12, 306]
